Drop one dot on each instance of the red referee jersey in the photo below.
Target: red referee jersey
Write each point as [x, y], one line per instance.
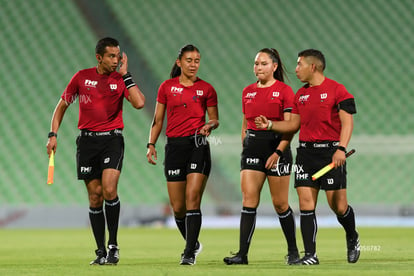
[186, 105]
[270, 101]
[100, 99]
[318, 110]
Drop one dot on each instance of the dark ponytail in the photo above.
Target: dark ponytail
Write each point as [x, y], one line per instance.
[280, 73]
[176, 70]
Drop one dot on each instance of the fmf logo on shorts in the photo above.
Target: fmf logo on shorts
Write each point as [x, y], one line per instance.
[330, 181]
[193, 166]
[302, 176]
[252, 161]
[86, 170]
[174, 172]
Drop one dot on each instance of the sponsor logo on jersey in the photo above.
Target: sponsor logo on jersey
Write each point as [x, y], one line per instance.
[324, 96]
[275, 94]
[251, 95]
[113, 87]
[90, 83]
[304, 98]
[200, 92]
[178, 90]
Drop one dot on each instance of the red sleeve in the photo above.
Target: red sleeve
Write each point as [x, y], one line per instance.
[162, 96]
[212, 97]
[72, 89]
[342, 94]
[295, 102]
[288, 100]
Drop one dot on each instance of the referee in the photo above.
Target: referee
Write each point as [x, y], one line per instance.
[323, 111]
[100, 144]
[186, 99]
[266, 155]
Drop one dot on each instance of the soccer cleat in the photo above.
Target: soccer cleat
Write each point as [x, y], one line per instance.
[198, 248]
[100, 257]
[309, 259]
[113, 255]
[292, 258]
[236, 259]
[187, 260]
[354, 249]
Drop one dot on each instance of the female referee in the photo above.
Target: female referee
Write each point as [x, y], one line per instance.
[185, 98]
[266, 155]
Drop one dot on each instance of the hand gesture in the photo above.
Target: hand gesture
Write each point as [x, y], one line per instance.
[261, 122]
[123, 68]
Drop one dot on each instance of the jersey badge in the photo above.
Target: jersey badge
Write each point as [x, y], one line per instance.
[275, 94]
[91, 83]
[303, 98]
[113, 87]
[251, 95]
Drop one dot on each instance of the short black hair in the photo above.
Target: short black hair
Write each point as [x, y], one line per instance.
[105, 42]
[314, 53]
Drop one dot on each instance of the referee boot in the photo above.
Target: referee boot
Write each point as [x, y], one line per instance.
[113, 255]
[309, 259]
[100, 257]
[354, 249]
[292, 258]
[237, 259]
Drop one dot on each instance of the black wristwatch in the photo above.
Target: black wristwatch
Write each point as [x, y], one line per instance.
[150, 144]
[341, 148]
[51, 134]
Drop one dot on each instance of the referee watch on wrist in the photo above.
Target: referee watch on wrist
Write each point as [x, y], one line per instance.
[341, 148]
[51, 134]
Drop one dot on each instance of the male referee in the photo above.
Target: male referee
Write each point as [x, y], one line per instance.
[100, 144]
[323, 110]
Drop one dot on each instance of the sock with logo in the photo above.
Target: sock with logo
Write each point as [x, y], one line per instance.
[112, 210]
[347, 220]
[193, 226]
[181, 225]
[247, 227]
[287, 222]
[309, 228]
[97, 220]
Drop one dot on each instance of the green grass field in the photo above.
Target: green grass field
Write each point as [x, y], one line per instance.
[153, 251]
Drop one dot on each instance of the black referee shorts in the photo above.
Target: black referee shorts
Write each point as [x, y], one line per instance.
[258, 146]
[311, 160]
[96, 153]
[185, 155]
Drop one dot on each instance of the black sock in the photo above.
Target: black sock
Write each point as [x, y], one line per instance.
[181, 225]
[97, 219]
[287, 222]
[347, 220]
[309, 228]
[112, 210]
[193, 226]
[247, 226]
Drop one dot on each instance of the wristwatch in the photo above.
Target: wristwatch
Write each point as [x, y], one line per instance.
[51, 134]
